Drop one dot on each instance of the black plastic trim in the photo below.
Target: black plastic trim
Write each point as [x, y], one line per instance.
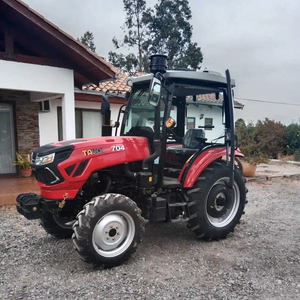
[70, 169]
[80, 168]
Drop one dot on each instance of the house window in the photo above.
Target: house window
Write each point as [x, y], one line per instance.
[208, 122]
[190, 124]
[88, 123]
[44, 106]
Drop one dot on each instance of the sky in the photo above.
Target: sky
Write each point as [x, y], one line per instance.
[257, 40]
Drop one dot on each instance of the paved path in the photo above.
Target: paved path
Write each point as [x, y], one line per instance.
[10, 188]
[276, 169]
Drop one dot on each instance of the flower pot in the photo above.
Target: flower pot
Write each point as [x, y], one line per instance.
[248, 169]
[26, 172]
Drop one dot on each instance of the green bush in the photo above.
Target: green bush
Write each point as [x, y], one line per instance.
[271, 136]
[268, 138]
[250, 147]
[292, 142]
[297, 155]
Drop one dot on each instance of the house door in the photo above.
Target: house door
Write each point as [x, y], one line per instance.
[7, 139]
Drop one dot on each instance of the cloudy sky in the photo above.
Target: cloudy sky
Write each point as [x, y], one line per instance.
[258, 40]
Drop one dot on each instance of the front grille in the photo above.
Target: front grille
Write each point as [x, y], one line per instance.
[46, 176]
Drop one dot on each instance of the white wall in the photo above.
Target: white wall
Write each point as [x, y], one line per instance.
[214, 112]
[49, 124]
[44, 79]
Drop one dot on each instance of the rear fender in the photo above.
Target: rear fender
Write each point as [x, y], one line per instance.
[197, 163]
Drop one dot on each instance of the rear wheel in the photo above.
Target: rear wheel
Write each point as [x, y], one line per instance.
[214, 213]
[108, 230]
[56, 226]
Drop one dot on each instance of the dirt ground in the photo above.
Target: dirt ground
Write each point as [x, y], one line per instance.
[260, 260]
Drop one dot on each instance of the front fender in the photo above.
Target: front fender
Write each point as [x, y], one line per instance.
[196, 164]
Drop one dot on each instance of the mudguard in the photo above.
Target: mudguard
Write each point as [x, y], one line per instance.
[198, 162]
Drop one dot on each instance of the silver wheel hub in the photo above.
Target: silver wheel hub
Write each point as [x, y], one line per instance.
[223, 210]
[113, 233]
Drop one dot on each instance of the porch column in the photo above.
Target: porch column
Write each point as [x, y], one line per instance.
[68, 116]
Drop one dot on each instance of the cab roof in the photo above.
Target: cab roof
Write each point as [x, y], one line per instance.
[203, 76]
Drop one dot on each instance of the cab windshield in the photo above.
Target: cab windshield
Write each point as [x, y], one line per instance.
[141, 114]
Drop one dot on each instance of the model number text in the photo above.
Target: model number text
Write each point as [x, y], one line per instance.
[118, 148]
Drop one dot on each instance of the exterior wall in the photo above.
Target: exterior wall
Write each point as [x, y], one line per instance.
[27, 122]
[48, 120]
[214, 112]
[45, 79]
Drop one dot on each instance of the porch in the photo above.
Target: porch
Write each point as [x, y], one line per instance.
[11, 187]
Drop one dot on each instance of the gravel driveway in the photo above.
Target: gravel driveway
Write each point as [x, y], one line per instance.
[261, 260]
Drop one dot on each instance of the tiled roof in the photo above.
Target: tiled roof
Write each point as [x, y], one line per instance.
[212, 98]
[119, 87]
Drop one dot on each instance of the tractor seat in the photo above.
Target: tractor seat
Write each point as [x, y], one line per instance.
[193, 141]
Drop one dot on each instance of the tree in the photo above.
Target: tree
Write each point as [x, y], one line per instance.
[166, 29]
[170, 33]
[127, 63]
[134, 29]
[88, 40]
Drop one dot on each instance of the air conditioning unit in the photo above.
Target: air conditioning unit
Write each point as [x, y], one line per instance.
[44, 106]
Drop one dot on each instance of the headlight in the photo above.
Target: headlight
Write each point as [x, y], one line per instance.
[44, 160]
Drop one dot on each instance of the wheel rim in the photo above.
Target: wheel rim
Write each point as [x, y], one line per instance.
[113, 234]
[220, 209]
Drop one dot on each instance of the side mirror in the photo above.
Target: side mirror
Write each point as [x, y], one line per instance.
[154, 91]
[105, 107]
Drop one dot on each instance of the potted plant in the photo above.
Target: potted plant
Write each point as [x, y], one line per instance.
[250, 162]
[250, 147]
[24, 163]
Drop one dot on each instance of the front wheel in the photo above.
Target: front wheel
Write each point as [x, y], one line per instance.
[214, 210]
[56, 226]
[108, 230]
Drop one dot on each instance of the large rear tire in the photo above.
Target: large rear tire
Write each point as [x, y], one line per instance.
[214, 213]
[108, 230]
[56, 226]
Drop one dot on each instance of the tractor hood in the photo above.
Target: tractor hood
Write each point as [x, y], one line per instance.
[92, 146]
[66, 162]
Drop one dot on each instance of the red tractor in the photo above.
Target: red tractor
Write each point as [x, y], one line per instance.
[102, 190]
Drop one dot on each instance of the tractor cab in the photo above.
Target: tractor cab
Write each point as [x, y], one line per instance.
[158, 110]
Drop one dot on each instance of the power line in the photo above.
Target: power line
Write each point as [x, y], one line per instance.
[265, 101]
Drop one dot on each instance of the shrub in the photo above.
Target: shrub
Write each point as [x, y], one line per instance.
[270, 136]
[297, 155]
[250, 147]
[292, 142]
